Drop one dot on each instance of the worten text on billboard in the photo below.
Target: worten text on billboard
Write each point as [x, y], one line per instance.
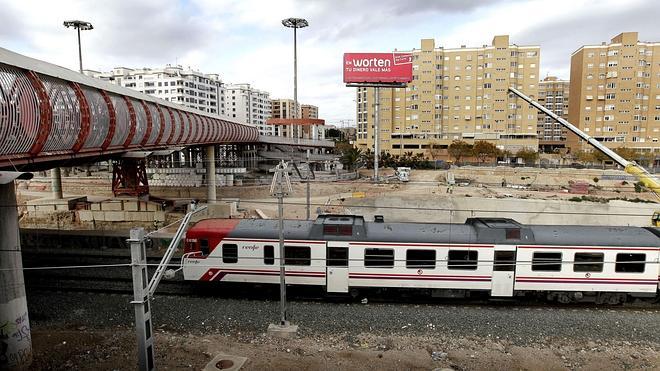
[377, 67]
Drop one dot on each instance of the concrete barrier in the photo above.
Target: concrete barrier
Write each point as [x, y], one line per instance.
[526, 211]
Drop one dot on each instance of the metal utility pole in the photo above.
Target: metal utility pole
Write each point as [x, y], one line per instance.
[141, 301]
[16, 340]
[277, 189]
[79, 25]
[144, 289]
[376, 132]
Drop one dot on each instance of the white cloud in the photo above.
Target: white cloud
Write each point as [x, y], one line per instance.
[244, 40]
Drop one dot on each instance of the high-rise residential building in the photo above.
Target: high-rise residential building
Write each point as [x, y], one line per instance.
[553, 95]
[307, 111]
[188, 87]
[615, 93]
[283, 109]
[456, 94]
[247, 104]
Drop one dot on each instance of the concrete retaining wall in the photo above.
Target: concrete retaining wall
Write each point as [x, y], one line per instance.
[458, 209]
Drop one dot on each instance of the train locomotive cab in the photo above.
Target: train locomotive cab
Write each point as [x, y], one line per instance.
[206, 235]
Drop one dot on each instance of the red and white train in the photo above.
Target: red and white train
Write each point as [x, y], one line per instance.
[500, 257]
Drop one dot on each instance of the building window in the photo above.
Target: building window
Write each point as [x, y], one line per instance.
[462, 259]
[297, 255]
[588, 262]
[546, 261]
[420, 259]
[379, 258]
[630, 263]
[230, 253]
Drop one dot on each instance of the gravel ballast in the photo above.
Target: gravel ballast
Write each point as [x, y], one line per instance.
[225, 316]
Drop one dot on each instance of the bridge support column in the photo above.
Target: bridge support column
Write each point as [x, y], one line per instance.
[56, 182]
[210, 174]
[129, 177]
[15, 336]
[186, 157]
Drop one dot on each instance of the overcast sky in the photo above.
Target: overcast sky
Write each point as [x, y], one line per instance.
[244, 40]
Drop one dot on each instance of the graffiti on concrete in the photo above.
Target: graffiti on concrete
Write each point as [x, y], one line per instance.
[18, 333]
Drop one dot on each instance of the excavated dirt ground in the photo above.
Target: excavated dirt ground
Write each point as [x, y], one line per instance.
[115, 349]
[424, 185]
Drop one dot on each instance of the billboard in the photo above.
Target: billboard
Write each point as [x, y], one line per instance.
[377, 67]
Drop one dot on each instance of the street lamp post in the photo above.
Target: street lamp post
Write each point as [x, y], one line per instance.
[55, 173]
[295, 23]
[79, 25]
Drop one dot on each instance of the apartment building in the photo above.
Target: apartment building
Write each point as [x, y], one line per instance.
[313, 128]
[188, 87]
[553, 95]
[615, 93]
[283, 109]
[456, 94]
[307, 111]
[249, 105]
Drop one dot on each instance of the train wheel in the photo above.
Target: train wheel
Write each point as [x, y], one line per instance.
[564, 298]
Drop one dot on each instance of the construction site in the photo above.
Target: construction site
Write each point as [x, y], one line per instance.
[528, 195]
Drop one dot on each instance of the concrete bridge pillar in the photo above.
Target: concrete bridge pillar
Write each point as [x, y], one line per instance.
[56, 182]
[186, 157]
[210, 174]
[15, 335]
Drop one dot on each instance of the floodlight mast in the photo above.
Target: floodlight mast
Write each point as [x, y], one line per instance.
[295, 23]
[79, 25]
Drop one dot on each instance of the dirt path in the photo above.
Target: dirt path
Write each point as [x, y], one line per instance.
[114, 349]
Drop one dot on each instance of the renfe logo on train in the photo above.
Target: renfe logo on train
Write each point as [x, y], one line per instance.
[377, 67]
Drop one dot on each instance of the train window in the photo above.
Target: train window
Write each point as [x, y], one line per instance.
[379, 258]
[420, 259]
[546, 261]
[297, 255]
[269, 255]
[588, 262]
[505, 261]
[338, 230]
[204, 246]
[337, 256]
[630, 263]
[512, 233]
[462, 259]
[229, 253]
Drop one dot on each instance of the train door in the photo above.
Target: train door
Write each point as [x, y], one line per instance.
[504, 269]
[337, 266]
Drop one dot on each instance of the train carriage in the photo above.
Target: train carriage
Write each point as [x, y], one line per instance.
[344, 253]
